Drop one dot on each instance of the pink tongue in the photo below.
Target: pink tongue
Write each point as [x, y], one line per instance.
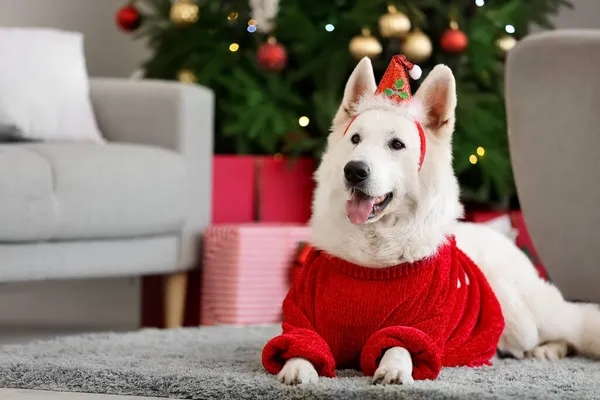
[359, 207]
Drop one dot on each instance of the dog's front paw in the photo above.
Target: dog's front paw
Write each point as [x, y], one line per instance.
[551, 351]
[392, 376]
[395, 367]
[297, 371]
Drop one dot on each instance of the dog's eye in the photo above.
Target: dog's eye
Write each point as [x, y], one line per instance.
[355, 139]
[396, 144]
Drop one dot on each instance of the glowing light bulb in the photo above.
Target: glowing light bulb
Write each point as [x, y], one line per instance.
[233, 47]
[329, 27]
[480, 151]
[473, 159]
[252, 22]
[303, 121]
[232, 15]
[251, 28]
[479, 3]
[509, 29]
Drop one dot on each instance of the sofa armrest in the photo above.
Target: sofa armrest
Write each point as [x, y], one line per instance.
[169, 115]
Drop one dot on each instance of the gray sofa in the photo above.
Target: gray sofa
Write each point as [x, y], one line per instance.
[135, 206]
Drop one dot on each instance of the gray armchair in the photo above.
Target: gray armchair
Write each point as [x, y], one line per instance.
[552, 102]
[135, 206]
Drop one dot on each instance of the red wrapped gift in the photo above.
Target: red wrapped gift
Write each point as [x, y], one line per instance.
[285, 189]
[525, 243]
[233, 188]
[246, 272]
[266, 189]
[523, 240]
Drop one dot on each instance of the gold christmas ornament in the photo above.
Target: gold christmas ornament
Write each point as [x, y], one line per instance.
[186, 76]
[417, 47]
[394, 24]
[506, 42]
[365, 45]
[184, 12]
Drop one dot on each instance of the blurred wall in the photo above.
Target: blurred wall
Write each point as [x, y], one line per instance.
[95, 304]
[584, 15]
[109, 52]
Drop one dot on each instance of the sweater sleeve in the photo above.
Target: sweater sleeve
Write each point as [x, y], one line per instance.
[425, 352]
[299, 339]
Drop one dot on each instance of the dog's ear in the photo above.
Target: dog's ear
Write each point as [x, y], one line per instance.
[361, 81]
[437, 96]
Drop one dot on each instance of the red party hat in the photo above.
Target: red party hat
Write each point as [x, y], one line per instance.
[394, 83]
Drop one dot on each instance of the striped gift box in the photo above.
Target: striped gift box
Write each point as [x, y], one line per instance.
[246, 272]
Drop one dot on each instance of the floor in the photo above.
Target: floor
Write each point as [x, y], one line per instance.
[18, 336]
[17, 394]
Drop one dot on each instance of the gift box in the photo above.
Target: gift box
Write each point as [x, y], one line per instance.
[265, 189]
[285, 189]
[246, 271]
[513, 225]
[232, 189]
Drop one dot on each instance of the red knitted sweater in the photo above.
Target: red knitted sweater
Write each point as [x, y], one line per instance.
[341, 315]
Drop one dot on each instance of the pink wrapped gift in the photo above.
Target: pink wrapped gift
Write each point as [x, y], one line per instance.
[247, 271]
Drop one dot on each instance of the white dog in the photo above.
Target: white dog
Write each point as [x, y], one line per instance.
[412, 213]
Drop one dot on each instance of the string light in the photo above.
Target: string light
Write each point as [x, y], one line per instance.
[473, 159]
[232, 15]
[479, 3]
[251, 28]
[509, 29]
[233, 47]
[303, 121]
[252, 22]
[480, 151]
[329, 27]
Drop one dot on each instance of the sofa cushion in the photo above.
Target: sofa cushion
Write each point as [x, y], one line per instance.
[44, 86]
[75, 191]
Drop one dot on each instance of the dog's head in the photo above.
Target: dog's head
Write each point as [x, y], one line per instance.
[371, 170]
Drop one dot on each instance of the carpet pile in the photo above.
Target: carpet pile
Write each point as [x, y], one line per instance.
[224, 363]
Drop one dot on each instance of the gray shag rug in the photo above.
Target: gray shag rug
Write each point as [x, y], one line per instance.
[224, 363]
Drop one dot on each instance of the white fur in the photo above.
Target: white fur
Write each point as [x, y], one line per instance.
[395, 367]
[424, 210]
[297, 371]
[425, 205]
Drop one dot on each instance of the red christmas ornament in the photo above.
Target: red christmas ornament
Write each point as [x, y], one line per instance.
[272, 55]
[128, 18]
[454, 41]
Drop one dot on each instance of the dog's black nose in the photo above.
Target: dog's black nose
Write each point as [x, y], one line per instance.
[356, 172]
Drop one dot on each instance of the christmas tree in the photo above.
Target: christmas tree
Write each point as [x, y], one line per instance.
[278, 68]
